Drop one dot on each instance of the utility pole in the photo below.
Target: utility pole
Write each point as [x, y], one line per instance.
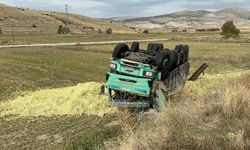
[67, 22]
[67, 15]
[12, 31]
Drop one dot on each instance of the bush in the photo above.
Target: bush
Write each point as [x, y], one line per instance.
[174, 30]
[100, 31]
[109, 31]
[65, 30]
[200, 30]
[184, 30]
[34, 26]
[230, 30]
[4, 41]
[145, 31]
[59, 29]
[1, 32]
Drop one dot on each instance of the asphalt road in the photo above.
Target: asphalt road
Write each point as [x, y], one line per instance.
[80, 43]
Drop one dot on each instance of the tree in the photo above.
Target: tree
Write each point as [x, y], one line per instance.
[59, 29]
[65, 30]
[145, 31]
[34, 26]
[1, 32]
[100, 31]
[109, 31]
[230, 30]
[174, 30]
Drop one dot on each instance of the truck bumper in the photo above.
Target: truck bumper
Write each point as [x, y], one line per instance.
[134, 92]
[139, 86]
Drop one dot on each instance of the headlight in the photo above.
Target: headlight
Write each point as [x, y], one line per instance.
[148, 74]
[112, 66]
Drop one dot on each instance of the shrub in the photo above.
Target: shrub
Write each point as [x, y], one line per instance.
[200, 30]
[213, 30]
[4, 41]
[34, 26]
[59, 29]
[65, 30]
[174, 30]
[100, 31]
[109, 31]
[230, 30]
[145, 31]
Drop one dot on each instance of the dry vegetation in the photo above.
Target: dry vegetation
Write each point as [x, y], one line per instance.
[209, 115]
[27, 21]
[217, 120]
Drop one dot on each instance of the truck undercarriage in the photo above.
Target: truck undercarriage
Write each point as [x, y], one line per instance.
[146, 78]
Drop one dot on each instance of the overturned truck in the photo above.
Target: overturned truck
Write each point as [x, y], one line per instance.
[146, 78]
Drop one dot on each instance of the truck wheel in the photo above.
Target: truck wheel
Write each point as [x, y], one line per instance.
[120, 51]
[183, 53]
[134, 47]
[160, 59]
[187, 52]
[171, 63]
[181, 50]
[154, 48]
[164, 60]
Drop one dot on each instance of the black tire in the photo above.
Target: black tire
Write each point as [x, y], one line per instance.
[181, 50]
[171, 63]
[165, 60]
[178, 62]
[154, 48]
[159, 59]
[134, 47]
[175, 58]
[183, 53]
[120, 51]
[187, 52]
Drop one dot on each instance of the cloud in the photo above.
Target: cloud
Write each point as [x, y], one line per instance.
[111, 8]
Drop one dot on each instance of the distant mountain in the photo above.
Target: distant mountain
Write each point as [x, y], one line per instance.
[191, 19]
[27, 21]
[120, 18]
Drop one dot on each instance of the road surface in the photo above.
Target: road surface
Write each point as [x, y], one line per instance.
[80, 43]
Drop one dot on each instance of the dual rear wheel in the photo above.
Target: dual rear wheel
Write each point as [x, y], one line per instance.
[164, 59]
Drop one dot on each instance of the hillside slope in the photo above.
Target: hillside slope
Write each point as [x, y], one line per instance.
[193, 19]
[33, 21]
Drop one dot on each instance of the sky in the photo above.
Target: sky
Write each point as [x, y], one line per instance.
[138, 8]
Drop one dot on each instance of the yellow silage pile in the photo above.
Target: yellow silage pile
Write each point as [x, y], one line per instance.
[82, 98]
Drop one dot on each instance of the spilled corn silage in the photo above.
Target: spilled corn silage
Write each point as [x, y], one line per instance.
[82, 98]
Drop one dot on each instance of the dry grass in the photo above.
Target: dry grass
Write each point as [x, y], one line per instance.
[216, 121]
[194, 121]
[47, 22]
[236, 98]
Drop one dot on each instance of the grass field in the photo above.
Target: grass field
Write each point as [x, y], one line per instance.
[30, 69]
[31, 39]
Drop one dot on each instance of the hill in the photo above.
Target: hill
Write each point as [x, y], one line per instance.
[30, 21]
[192, 19]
